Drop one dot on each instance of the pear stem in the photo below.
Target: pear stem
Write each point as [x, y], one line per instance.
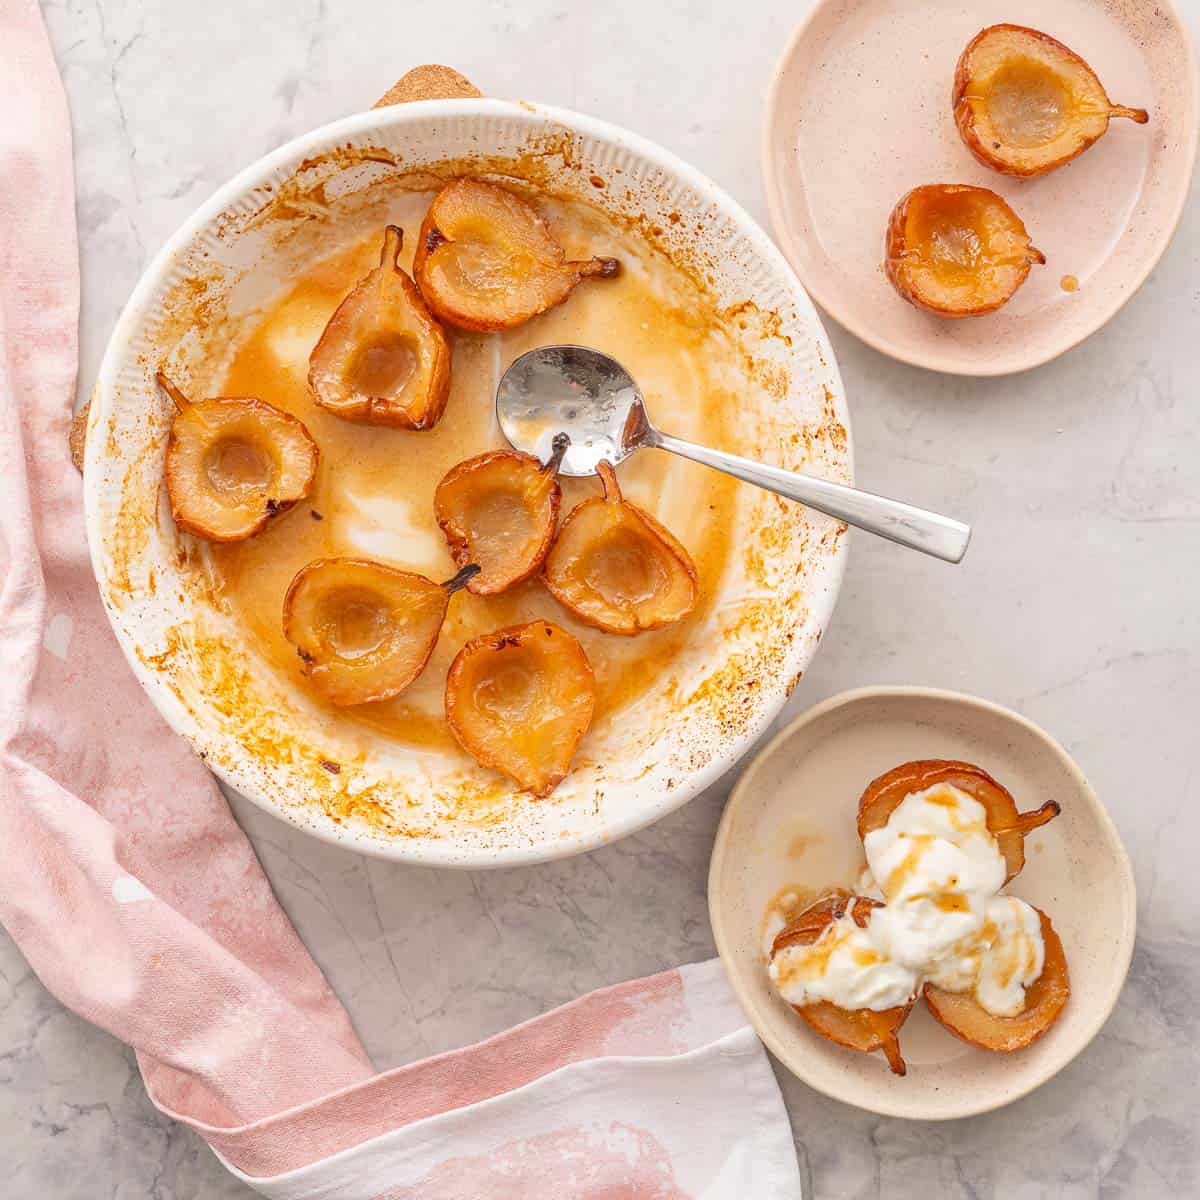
[603, 267]
[460, 581]
[1138, 115]
[1028, 822]
[182, 403]
[558, 450]
[608, 477]
[393, 243]
[890, 1045]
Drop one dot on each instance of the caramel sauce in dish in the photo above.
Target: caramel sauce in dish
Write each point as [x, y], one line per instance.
[373, 495]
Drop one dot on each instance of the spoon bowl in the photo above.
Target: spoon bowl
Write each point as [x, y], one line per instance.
[574, 390]
[588, 396]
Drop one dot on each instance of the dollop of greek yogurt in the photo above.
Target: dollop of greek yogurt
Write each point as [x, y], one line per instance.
[845, 967]
[938, 869]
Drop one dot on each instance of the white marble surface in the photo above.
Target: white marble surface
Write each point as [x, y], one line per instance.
[1076, 606]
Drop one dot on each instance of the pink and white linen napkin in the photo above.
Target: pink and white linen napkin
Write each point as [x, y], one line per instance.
[140, 904]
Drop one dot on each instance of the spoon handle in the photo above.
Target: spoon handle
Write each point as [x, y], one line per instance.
[914, 527]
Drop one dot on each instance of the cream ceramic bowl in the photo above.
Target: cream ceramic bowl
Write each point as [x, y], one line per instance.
[790, 824]
[264, 736]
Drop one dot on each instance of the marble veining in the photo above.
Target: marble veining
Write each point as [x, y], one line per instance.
[1075, 606]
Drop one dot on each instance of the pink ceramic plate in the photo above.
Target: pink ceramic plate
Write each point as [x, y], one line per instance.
[859, 112]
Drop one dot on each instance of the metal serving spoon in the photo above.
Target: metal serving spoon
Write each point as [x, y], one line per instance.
[592, 398]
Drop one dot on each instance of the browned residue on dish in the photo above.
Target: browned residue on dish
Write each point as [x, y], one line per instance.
[794, 682]
[747, 315]
[831, 430]
[134, 523]
[801, 843]
[302, 196]
[196, 662]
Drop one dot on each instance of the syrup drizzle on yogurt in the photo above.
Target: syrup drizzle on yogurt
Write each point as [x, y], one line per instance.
[939, 869]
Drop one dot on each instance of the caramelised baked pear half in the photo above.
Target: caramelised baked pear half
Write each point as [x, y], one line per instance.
[1009, 827]
[500, 510]
[487, 261]
[956, 250]
[615, 567]
[1045, 998]
[857, 1029]
[1025, 104]
[383, 360]
[520, 700]
[233, 463]
[364, 630]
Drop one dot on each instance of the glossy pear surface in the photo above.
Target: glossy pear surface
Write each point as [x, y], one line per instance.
[956, 250]
[382, 359]
[233, 464]
[615, 567]
[1025, 104]
[884, 795]
[519, 701]
[499, 510]
[487, 261]
[363, 630]
[1045, 999]
[857, 1029]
